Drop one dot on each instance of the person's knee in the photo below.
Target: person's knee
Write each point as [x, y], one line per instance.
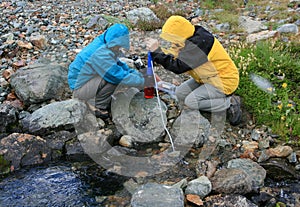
[191, 102]
[180, 95]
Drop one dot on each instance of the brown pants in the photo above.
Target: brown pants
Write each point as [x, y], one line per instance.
[97, 91]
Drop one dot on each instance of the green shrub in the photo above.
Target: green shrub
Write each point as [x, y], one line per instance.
[145, 25]
[113, 20]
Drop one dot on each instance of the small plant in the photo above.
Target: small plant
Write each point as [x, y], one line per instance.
[113, 20]
[145, 25]
[4, 166]
[227, 5]
[162, 12]
[154, 1]
[209, 4]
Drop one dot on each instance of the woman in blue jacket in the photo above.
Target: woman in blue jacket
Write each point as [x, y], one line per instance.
[97, 70]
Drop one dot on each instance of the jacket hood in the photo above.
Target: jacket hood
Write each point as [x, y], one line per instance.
[177, 29]
[117, 35]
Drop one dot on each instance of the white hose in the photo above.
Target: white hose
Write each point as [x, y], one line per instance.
[160, 108]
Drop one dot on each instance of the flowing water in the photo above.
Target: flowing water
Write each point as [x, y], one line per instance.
[58, 184]
[86, 184]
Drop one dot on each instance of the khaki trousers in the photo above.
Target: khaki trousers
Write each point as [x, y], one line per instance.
[96, 91]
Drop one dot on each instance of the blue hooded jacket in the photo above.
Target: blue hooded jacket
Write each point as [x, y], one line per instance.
[97, 58]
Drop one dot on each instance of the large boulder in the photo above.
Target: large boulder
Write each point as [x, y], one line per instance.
[39, 82]
[24, 149]
[250, 25]
[142, 119]
[190, 128]
[55, 116]
[142, 13]
[256, 172]
[152, 194]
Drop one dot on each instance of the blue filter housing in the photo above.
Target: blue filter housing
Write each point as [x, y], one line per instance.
[150, 65]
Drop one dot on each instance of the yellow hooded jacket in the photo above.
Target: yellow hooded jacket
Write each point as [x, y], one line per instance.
[198, 53]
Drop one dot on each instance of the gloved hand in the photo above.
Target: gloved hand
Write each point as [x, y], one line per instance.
[152, 44]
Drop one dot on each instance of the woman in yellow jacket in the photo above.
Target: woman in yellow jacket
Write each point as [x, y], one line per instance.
[195, 51]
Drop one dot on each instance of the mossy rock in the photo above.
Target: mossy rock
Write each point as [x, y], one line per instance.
[4, 166]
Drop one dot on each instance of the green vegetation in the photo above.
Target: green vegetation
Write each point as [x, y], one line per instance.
[228, 17]
[113, 20]
[4, 166]
[145, 25]
[154, 1]
[278, 106]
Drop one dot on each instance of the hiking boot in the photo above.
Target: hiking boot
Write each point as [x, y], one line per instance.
[102, 114]
[234, 112]
[99, 113]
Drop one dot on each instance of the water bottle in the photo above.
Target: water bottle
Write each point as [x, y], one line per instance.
[149, 83]
[166, 87]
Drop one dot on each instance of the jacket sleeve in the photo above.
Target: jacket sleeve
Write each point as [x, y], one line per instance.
[189, 57]
[114, 71]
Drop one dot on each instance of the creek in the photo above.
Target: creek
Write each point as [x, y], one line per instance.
[58, 184]
[84, 183]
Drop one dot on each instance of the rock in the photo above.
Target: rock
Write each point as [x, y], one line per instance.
[280, 151]
[251, 26]
[293, 157]
[200, 186]
[190, 128]
[262, 198]
[24, 149]
[142, 13]
[7, 73]
[255, 135]
[19, 64]
[279, 169]
[206, 167]
[74, 149]
[228, 201]
[39, 82]
[131, 185]
[231, 181]
[288, 28]
[126, 141]
[181, 184]
[26, 45]
[92, 21]
[261, 36]
[57, 143]
[8, 117]
[195, 199]
[250, 146]
[152, 194]
[4, 83]
[99, 22]
[138, 117]
[95, 143]
[256, 173]
[64, 114]
[39, 41]
[223, 27]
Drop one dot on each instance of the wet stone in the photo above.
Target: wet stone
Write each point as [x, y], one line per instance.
[152, 194]
[232, 180]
